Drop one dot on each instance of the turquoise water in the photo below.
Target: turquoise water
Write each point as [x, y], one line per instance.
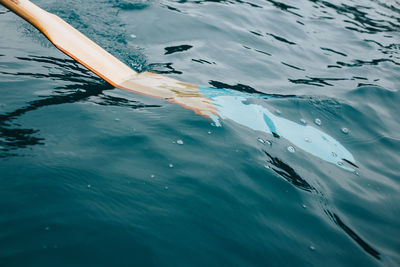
[91, 175]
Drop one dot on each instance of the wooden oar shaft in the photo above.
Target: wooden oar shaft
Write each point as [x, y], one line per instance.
[72, 42]
[26, 10]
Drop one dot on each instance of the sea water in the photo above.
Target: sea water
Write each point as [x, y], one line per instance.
[91, 175]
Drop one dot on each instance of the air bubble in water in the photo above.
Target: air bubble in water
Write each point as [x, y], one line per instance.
[308, 140]
[334, 154]
[318, 122]
[278, 112]
[291, 149]
[312, 248]
[171, 165]
[345, 130]
[179, 142]
[261, 140]
[303, 121]
[152, 176]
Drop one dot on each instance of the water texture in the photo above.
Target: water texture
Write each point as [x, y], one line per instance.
[94, 176]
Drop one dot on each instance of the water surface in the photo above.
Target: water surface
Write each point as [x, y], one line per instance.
[91, 175]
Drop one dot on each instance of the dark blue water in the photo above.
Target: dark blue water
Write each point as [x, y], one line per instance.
[94, 176]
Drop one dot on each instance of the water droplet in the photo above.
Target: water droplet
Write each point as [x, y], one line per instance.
[318, 122]
[312, 248]
[308, 140]
[261, 140]
[303, 121]
[278, 112]
[304, 206]
[291, 149]
[179, 142]
[171, 165]
[345, 130]
[334, 154]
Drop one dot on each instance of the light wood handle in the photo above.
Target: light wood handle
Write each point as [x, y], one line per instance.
[26, 10]
[72, 42]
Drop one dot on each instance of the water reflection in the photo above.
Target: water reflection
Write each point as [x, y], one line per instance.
[281, 39]
[163, 68]
[373, 62]
[13, 138]
[367, 248]
[290, 175]
[175, 49]
[316, 81]
[80, 86]
[285, 7]
[359, 19]
[359, 23]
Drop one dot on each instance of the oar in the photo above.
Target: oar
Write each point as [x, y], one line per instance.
[231, 104]
[92, 56]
